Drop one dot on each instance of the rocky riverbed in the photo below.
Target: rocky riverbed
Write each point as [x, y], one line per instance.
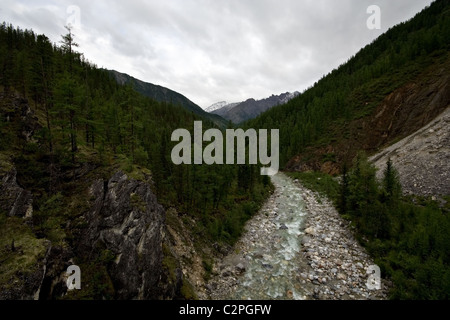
[296, 248]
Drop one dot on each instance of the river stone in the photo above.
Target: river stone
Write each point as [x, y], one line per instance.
[226, 274]
[283, 227]
[341, 276]
[240, 268]
[289, 294]
[306, 240]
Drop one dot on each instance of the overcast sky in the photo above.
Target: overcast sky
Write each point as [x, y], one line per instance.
[215, 50]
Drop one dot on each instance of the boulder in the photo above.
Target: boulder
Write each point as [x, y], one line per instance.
[240, 268]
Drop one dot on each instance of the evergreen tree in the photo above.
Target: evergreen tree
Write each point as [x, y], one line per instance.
[344, 191]
[391, 184]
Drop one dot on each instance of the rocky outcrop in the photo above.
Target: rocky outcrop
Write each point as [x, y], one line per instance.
[121, 219]
[14, 200]
[422, 159]
[126, 220]
[56, 262]
[16, 110]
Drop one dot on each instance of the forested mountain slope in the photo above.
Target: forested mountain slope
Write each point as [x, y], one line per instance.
[388, 90]
[162, 94]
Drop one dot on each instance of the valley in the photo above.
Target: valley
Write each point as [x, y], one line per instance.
[127, 179]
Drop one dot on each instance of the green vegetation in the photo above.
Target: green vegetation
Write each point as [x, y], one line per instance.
[409, 241]
[5, 163]
[89, 126]
[207, 265]
[20, 250]
[317, 181]
[97, 284]
[161, 94]
[171, 264]
[187, 291]
[87, 118]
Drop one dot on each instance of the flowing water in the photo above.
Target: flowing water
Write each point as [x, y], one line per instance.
[270, 262]
[271, 247]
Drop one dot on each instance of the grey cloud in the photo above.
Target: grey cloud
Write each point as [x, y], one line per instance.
[213, 50]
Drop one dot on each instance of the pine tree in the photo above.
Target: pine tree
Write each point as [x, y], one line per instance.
[344, 192]
[67, 45]
[68, 98]
[70, 92]
[391, 184]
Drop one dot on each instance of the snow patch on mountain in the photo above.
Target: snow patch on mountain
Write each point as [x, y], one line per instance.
[289, 96]
[216, 106]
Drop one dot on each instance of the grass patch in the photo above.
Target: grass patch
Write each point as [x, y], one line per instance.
[170, 263]
[137, 202]
[5, 163]
[96, 284]
[28, 250]
[187, 291]
[133, 171]
[319, 182]
[208, 266]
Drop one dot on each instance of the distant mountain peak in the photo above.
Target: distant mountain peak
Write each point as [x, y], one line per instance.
[250, 108]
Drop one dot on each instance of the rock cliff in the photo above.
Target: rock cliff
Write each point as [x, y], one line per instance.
[118, 217]
[127, 220]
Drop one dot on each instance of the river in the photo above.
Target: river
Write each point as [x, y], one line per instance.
[297, 247]
[272, 259]
[269, 250]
